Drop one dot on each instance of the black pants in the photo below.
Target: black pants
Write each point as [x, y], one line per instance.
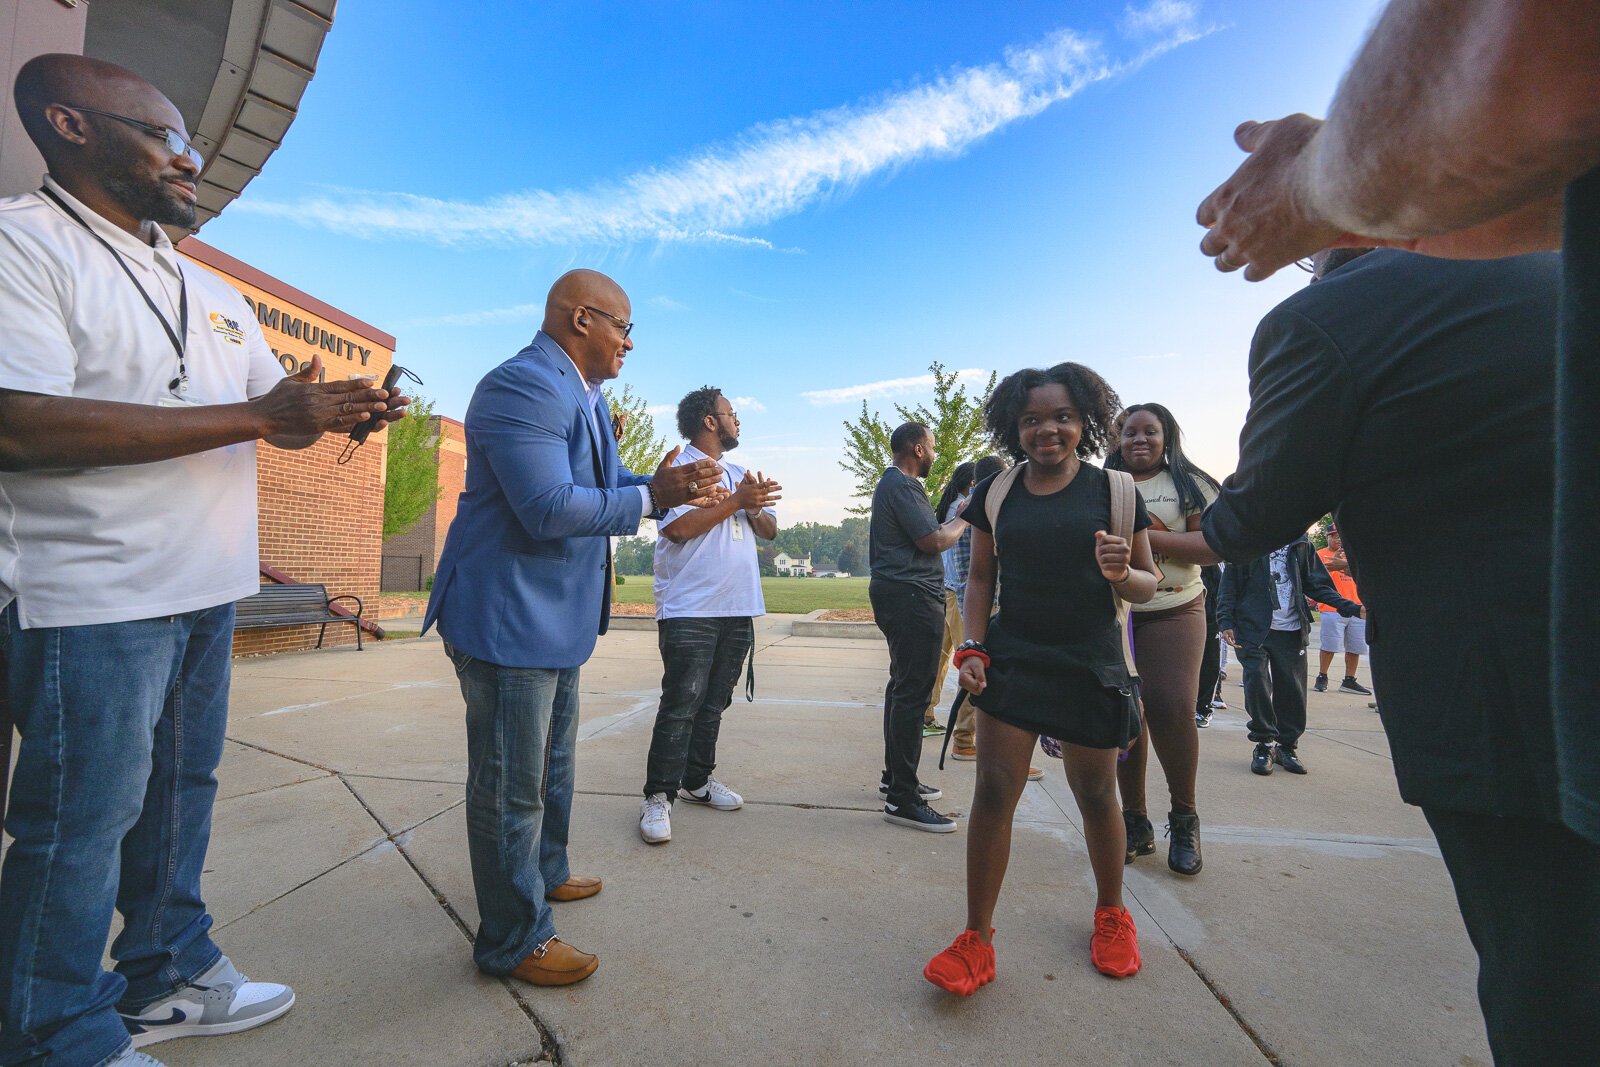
[1275, 687]
[1529, 892]
[912, 620]
[1210, 663]
[701, 659]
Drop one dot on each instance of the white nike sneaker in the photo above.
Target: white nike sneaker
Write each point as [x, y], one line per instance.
[218, 1001]
[713, 794]
[132, 1058]
[655, 819]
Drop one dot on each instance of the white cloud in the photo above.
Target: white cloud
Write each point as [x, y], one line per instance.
[769, 172]
[889, 387]
[749, 405]
[532, 312]
[657, 411]
[666, 303]
[1159, 16]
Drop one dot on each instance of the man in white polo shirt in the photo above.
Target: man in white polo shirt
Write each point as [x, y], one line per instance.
[132, 392]
[708, 592]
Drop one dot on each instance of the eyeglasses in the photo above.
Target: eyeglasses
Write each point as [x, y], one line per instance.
[626, 326]
[175, 142]
[734, 415]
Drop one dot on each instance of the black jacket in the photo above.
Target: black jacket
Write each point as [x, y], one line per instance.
[1245, 599]
[1413, 397]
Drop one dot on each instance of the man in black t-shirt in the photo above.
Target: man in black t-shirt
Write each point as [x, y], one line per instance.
[907, 592]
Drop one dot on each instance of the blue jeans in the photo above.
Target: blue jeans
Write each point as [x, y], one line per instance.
[122, 728]
[522, 735]
[701, 659]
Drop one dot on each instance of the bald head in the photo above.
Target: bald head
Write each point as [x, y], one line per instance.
[102, 130]
[585, 313]
[59, 78]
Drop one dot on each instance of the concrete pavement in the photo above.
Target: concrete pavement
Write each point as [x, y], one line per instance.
[1322, 931]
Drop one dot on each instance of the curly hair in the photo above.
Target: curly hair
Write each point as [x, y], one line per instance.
[693, 409]
[1096, 401]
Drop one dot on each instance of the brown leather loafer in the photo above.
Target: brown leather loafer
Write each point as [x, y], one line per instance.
[576, 887]
[558, 963]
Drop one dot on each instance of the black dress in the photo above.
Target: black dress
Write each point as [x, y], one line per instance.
[1056, 656]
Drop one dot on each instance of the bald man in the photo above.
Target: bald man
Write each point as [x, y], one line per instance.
[133, 389]
[523, 590]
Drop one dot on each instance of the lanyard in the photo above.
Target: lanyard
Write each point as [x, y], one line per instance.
[180, 338]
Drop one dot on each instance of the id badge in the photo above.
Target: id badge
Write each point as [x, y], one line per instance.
[170, 401]
[738, 527]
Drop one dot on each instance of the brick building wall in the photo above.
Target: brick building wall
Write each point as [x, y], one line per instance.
[425, 540]
[318, 521]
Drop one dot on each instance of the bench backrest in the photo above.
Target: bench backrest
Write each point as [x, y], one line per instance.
[275, 600]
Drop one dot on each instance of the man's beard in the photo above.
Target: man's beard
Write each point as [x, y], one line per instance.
[728, 442]
[149, 201]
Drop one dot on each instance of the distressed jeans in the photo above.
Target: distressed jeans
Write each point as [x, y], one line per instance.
[122, 729]
[700, 661]
[522, 734]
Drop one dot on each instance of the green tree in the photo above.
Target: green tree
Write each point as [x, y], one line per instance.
[411, 480]
[635, 555]
[956, 420]
[638, 446]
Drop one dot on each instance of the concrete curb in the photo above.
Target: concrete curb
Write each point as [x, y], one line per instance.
[813, 626]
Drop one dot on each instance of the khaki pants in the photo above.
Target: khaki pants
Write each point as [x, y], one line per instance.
[966, 720]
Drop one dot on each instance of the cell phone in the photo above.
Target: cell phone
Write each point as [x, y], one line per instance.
[360, 431]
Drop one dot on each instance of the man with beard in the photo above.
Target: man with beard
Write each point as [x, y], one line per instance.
[132, 392]
[522, 593]
[907, 591]
[708, 592]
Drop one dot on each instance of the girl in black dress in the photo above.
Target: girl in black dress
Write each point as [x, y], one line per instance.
[1051, 661]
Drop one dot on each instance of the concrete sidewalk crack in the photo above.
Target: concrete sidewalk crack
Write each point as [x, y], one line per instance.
[549, 1048]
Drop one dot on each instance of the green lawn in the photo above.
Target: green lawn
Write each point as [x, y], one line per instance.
[784, 596]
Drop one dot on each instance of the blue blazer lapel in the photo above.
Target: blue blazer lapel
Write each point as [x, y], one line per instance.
[578, 390]
[608, 444]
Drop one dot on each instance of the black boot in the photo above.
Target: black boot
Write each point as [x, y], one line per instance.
[1183, 850]
[1141, 835]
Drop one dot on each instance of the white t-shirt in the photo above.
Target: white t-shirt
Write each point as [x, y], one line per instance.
[1180, 582]
[113, 544]
[1285, 614]
[716, 574]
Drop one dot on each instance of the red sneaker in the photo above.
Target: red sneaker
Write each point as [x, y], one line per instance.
[967, 964]
[1115, 944]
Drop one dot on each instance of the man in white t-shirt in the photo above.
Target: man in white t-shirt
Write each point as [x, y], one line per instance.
[708, 593]
[132, 391]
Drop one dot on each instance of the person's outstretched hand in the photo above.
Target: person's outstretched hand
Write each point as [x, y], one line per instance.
[1261, 219]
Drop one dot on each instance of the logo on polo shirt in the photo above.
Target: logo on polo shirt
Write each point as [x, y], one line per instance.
[226, 328]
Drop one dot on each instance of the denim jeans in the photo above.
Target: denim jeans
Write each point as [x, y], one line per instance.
[522, 735]
[122, 728]
[701, 659]
[912, 620]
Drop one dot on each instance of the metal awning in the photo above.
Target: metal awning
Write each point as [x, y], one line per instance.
[236, 71]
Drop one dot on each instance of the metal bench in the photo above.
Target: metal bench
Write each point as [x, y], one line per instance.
[293, 605]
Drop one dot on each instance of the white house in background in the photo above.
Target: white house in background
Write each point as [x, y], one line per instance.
[789, 566]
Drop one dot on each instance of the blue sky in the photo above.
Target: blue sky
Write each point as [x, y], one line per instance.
[806, 202]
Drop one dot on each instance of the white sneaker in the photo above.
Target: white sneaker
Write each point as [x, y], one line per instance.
[714, 794]
[655, 819]
[218, 1001]
[133, 1058]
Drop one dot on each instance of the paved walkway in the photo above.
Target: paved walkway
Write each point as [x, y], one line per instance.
[1322, 931]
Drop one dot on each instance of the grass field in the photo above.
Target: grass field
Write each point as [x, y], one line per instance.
[784, 596]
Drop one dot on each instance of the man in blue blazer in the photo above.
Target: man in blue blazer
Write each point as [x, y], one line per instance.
[522, 591]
